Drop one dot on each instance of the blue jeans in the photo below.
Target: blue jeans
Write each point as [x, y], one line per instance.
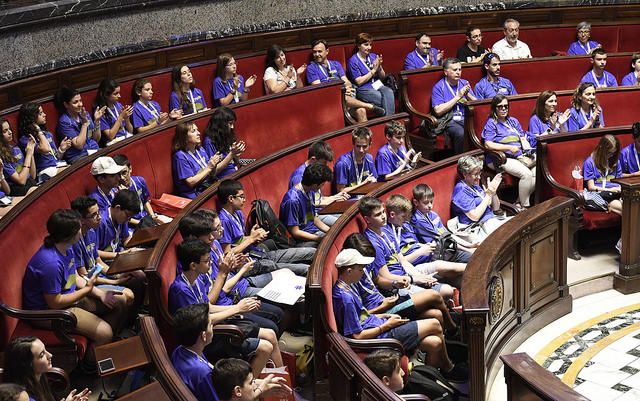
[383, 98]
[455, 131]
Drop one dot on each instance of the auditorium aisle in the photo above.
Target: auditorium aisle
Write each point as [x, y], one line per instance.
[596, 348]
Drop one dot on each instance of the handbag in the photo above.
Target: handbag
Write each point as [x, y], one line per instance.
[471, 233]
[528, 161]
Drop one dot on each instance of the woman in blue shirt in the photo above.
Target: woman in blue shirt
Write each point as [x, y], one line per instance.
[115, 123]
[76, 124]
[26, 362]
[583, 46]
[220, 138]
[147, 113]
[185, 95]
[633, 78]
[19, 169]
[229, 87]
[602, 166]
[503, 133]
[32, 122]
[546, 119]
[586, 112]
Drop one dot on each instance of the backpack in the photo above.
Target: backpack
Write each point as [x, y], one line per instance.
[446, 245]
[429, 381]
[263, 215]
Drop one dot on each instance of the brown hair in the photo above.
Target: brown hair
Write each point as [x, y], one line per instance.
[577, 95]
[540, 102]
[600, 154]
[180, 138]
[6, 151]
[361, 38]
[221, 64]
[137, 87]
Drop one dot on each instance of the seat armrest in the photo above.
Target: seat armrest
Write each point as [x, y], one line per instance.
[374, 344]
[62, 321]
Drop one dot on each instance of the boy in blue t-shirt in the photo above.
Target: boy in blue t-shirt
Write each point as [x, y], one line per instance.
[113, 231]
[356, 168]
[393, 158]
[297, 210]
[234, 381]
[107, 175]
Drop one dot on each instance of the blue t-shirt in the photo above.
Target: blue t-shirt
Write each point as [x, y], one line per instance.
[357, 67]
[578, 119]
[505, 133]
[538, 127]
[630, 79]
[70, 128]
[43, 160]
[111, 236]
[591, 172]
[367, 290]
[386, 253]
[11, 168]
[210, 150]
[487, 90]
[233, 227]
[104, 199]
[145, 114]
[193, 99]
[465, 198]
[297, 209]
[442, 92]
[195, 372]
[221, 89]
[409, 243]
[607, 79]
[48, 272]
[86, 250]
[317, 72]
[241, 286]
[425, 227]
[351, 317]
[387, 161]
[578, 49]
[415, 60]
[182, 293]
[629, 159]
[347, 172]
[139, 186]
[296, 177]
[185, 165]
[109, 118]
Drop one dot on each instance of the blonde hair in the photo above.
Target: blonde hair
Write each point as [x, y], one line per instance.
[398, 203]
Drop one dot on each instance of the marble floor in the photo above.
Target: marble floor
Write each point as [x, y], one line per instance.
[596, 348]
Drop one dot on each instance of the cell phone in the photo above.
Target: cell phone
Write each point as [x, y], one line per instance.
[94, 272]
[106, 366]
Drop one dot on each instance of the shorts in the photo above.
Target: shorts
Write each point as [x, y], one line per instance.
[407, 334]
[404, 307]
[224, 347]
[426, 268]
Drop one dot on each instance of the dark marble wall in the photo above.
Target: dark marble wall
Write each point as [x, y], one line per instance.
[40, 36]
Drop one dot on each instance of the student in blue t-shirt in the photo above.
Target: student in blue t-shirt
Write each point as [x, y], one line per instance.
[602, 166]
[324, 70]
[220, 139]
[76, 124]
[393, 158]
[546, 119]
[113, 231]
[234, 381]
[585, 110]
[583, 46]
[232, 198]
[147, 113]
[356, 168]
[633, 78]
[192, 287]
[115, 123]
[51, 282]
[597, 75]
[630, 155]
[185, 96]
[193, 170]
[297, 209]
[107, 175]
[492, 83]
[228, 86]
[32, 122]
[423, 55]
[365, 70]
[354, 321]
[18, 169]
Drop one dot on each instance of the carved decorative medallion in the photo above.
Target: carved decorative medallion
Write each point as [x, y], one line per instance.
[496, 298]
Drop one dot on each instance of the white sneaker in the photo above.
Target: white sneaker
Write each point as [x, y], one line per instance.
[619, 245]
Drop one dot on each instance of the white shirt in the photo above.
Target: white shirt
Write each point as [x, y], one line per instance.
[271, 73]
[507, 52]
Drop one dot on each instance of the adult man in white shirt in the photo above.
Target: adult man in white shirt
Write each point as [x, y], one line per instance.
[510, 47]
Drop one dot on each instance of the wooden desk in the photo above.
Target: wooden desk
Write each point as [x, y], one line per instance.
[366, 188]
[127, 354]
[338, 207]
[152, 391]
[128, 262]
[146, 235]
[627, 280]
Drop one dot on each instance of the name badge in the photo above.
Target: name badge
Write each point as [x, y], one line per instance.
[92, 151]
[502, 90]
[457, 116]
[377, 84]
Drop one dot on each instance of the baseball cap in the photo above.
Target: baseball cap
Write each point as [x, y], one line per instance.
[350, 257]
[105, 165]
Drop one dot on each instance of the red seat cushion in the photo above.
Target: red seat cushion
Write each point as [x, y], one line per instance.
[593, 220]
[49, 338]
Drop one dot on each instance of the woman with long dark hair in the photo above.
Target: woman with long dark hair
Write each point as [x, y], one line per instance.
[19, 169]
[115, 123]
[76, 124]
[546, 119]
[185, 95]
[280, 76]
[230, 87]
[220, 138]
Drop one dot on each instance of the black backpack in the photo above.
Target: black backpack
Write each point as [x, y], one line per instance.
[263, 215]
[446, 245]
[429, 381]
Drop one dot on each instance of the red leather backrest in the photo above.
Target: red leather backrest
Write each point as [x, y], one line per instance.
[620, 107]
[159, 153]
[167, 269]
[248, 66]
[628, 38]
[203, 76]
[79, 183]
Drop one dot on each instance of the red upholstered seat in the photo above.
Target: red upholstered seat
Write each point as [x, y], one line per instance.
[593, 220]
[49, 338]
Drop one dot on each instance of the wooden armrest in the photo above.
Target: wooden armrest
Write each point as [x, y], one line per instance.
[374, 344]
[229, 330]
[58, 381]
[499, 157]
[62, 321]
[415, 397]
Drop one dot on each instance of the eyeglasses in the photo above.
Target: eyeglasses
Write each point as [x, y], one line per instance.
[217, 229]
[243, 197]
[207, 261]
[502, 107]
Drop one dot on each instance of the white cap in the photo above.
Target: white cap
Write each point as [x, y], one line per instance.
[350, 257]
[105, 165]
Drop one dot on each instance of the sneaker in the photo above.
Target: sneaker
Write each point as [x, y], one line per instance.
[459, 373]
[619, 245]
[378, 111]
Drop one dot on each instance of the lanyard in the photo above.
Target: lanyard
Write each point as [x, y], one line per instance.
[193, 102]
[116, 240]
[605, 177]
[197, 294]
[200, 358]
[397, 236]
[584, 115]
[367, 63]
[308, 197]
[495, 85]
[198, 158]
[151, 109]
[445, 83]
[346, 287]
[114, 114]
[400, 159]
[90, 259]
[480, 194]
[595, 80]
[383, 237]
[426, 219]
[326, 73]
[426, 61]
[104, 196]
[77, 124]
[236, 98]
[236, 220]
[359, 174]
[587, 50]
[135, 188]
